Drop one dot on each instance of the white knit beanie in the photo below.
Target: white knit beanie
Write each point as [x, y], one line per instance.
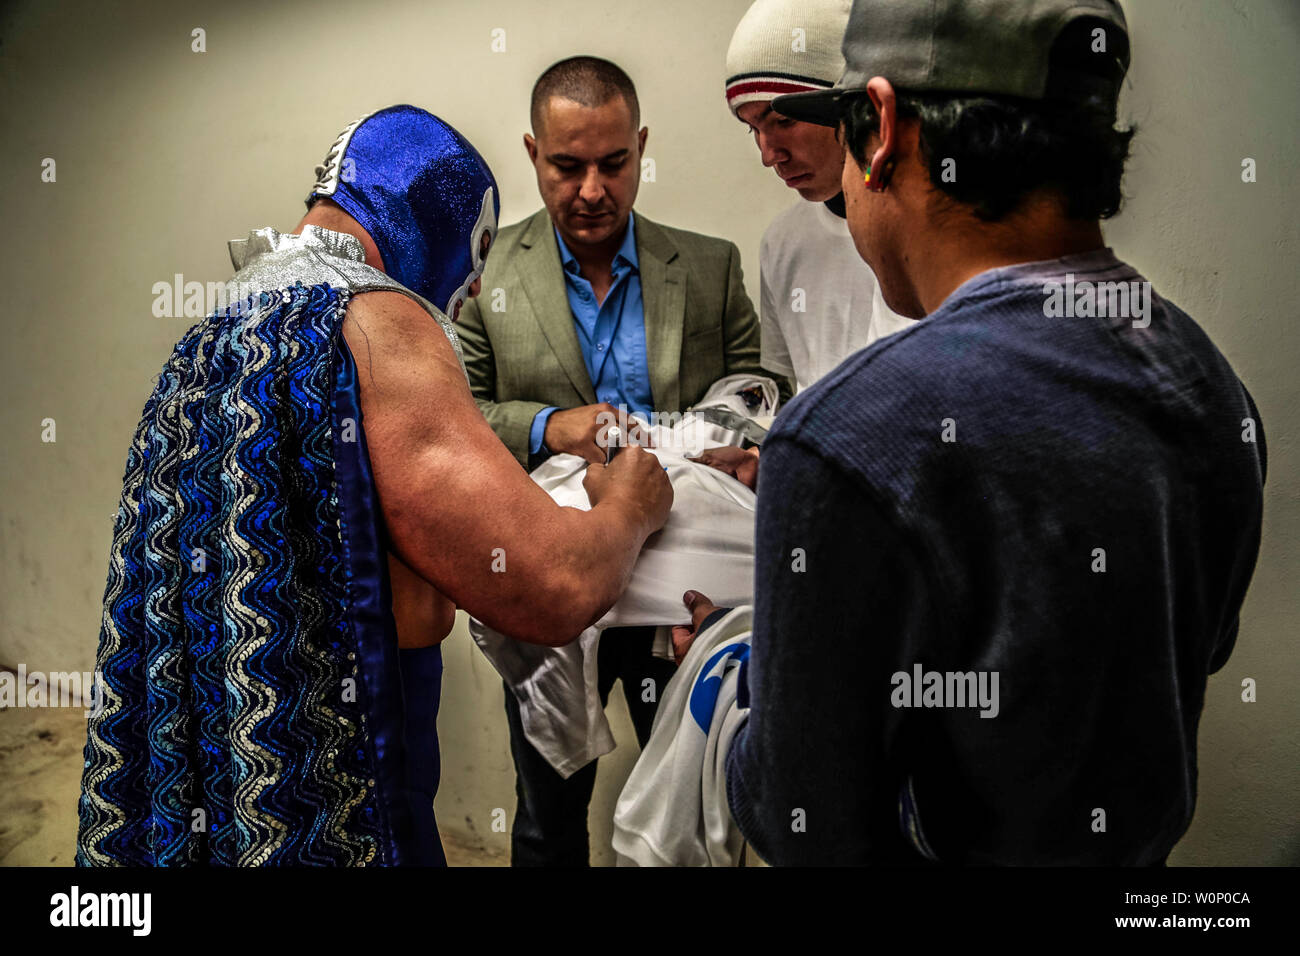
[785, 46]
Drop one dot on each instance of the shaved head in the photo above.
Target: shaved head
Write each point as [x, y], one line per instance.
[587, 80]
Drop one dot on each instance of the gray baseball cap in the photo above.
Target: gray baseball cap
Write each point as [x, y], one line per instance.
[1033, 49]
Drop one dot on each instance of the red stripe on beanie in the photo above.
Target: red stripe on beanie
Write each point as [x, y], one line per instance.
[775, 87]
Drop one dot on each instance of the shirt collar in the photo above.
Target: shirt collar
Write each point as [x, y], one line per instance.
[626, 252]
[267, 240]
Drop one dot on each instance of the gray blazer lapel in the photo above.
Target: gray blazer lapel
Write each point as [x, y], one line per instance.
[542, 279]
[663, 295]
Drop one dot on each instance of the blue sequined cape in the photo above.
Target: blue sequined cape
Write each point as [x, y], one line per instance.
[252, 708]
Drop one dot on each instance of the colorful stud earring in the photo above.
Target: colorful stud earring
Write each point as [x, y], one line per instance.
[867, 178]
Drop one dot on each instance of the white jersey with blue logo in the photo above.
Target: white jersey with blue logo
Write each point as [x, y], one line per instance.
[673, 809]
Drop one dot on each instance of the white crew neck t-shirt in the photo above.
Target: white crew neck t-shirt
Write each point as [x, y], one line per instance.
[819, 302]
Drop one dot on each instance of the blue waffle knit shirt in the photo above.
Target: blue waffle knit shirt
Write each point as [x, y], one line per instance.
[1018, 489]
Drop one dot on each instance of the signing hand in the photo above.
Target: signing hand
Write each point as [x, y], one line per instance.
[636, 478]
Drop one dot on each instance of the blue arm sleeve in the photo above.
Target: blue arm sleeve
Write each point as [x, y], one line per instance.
[809, 779]
[538, 431]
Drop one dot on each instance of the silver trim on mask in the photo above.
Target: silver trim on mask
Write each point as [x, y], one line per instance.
[487, 221]
[328, 172]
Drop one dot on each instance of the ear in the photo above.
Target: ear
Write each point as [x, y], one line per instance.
[881, 93]
[640, 139]
[530, 146]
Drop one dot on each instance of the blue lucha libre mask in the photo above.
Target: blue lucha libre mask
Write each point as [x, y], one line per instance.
[424, 195]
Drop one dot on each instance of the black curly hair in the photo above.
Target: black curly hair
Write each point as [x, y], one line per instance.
[1006, 147]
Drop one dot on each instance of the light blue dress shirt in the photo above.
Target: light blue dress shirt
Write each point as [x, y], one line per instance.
[611, 334]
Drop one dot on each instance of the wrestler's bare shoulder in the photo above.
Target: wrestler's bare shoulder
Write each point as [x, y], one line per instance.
[398, 329]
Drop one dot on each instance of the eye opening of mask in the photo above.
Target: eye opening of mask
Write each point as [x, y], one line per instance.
[484, 231]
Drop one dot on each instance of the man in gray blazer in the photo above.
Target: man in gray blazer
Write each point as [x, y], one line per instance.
[590, 311]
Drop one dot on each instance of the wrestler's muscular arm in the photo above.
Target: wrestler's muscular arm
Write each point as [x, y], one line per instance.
[452, 494]
[423, 615]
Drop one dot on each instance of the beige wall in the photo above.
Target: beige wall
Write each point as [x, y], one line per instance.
[163, 154]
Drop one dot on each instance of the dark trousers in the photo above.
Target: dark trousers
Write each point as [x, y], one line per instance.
[422, 693]
[550, 827]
